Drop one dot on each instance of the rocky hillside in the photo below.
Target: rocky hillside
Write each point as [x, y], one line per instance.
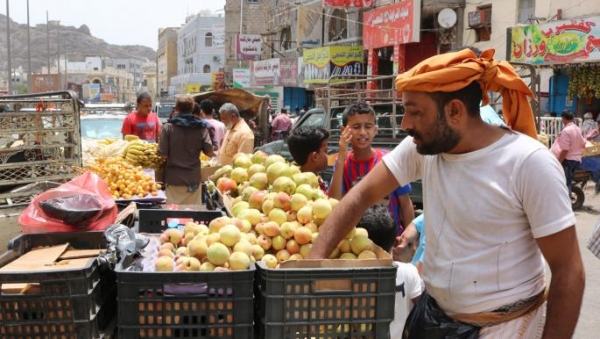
[78, 41]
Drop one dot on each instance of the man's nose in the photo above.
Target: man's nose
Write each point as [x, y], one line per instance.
[406, 123]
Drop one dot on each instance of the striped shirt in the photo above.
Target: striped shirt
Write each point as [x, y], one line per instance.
[355, 170]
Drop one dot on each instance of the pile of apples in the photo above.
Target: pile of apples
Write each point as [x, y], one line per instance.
[285, 208]
[220, 246]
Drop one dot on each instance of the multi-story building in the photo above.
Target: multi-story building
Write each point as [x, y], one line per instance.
[166, 59]
[200, 53]
[133, 66]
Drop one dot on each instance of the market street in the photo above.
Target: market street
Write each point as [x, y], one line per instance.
[589, 324]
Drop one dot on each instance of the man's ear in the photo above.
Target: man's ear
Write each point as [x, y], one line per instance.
[455, 110]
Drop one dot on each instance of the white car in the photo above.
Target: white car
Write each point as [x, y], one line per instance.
[102, 126]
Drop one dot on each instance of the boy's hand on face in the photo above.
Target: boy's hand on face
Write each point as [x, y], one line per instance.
[345, 138]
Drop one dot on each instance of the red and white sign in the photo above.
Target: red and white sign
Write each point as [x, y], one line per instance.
[398, 23]
[348, 3]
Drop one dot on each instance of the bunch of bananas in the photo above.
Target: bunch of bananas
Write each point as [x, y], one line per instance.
[142, 153]
[108, 141]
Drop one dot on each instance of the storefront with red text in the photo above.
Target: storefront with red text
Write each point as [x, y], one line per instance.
[393, 39]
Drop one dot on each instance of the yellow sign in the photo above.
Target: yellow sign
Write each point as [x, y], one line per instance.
[192, 88]
[341, 55]
[322, 63]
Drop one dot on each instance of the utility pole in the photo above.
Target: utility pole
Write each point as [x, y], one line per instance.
[28, 53]
[48, 50]
[60, 87]
[66, 68]
[8, 49]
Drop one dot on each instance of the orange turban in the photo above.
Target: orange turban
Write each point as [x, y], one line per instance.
[453, 71]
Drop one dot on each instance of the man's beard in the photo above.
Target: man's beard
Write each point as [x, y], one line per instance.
[442, 138]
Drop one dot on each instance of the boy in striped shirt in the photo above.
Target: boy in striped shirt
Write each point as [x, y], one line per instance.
[358, 129]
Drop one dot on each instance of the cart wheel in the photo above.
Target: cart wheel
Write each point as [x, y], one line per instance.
[577, 197]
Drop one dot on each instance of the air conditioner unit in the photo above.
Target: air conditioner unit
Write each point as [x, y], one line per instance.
[478, 18]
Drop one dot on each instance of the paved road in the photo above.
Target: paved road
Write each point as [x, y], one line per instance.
[589, 321]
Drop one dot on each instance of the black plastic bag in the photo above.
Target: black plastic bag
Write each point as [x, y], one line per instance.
[76, 210]
[428, 320]
[124, 245]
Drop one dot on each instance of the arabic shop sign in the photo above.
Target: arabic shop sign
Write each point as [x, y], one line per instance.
[265, 72]
[322, 63]
[241, 78]
[391, 25]
[248, 47]
[566, 41]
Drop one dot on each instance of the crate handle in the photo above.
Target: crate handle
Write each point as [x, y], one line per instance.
[20, 288]
[194, 289]
[332, 285]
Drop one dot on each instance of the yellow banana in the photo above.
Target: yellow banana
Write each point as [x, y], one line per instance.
[134, 151]
[131, 137]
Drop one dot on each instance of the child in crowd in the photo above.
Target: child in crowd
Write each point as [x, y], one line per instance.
[359, 127]
[308, 146]
[382, 230]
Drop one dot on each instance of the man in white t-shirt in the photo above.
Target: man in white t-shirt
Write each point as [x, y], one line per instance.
[381, 226]
[490, 224]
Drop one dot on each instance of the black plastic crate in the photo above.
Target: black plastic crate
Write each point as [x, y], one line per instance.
[333, 303]
[71, 304]
[155, 221]
[185, 304]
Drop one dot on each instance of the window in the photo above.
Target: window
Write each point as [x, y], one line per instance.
[526, 10]
[338, 29]
[252, 1]
[206, 69]
[208, 40]
[285, 39]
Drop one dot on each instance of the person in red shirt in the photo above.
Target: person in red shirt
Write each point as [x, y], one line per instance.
[142, 122]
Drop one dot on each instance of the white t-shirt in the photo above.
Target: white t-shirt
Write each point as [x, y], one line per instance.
[408, 286]
[484, 210]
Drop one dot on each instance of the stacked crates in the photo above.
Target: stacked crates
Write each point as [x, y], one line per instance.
[70, 304]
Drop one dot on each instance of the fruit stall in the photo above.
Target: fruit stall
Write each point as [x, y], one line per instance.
[235, 272]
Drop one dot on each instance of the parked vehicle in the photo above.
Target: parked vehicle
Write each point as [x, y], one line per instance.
[102, 126]
[40, 144]
[163, 109]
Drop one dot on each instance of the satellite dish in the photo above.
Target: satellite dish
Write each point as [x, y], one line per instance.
[447, 18]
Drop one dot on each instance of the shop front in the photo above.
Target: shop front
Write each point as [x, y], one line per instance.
[386, 32]
[571, 48]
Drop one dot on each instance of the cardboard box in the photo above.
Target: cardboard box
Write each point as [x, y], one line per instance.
[591, 149]
[383, 260]
[206, 172]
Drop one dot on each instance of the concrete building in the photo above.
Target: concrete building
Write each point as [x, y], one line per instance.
[133, 66]
[200, 52]
[149, 83]
[166, 58]
[244, 17]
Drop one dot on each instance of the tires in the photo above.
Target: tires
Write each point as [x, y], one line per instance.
[577, 197]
